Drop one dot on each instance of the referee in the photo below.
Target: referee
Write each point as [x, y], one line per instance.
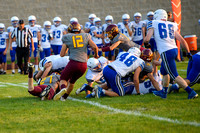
[22, 35]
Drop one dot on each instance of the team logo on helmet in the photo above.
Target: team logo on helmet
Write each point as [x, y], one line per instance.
[74, 27]
[147, 55]
[112, 30]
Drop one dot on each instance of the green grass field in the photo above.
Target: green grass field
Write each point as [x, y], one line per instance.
[21, 112]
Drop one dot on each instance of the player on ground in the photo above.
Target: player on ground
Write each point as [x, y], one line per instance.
[117, 39]
[58, 30]
[35, 29]
[46, 88]
[13, 45]
[165, 33]
[94, 73]
[4, 44]
[46, 37]
[193, 72]
[96, 33]
[139, 27]
[106, 41]
[53, 63]
[77, 43]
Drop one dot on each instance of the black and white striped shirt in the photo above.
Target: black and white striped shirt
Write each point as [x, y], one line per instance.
[22, 36]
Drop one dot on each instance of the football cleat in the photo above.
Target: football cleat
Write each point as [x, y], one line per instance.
[173, 88]
[98, 91]
[45, 92]
[192, 95]
[30, 67]
[160, 94]
[60, 94]
[79, 90]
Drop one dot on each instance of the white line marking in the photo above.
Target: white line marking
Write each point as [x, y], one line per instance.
[182, 70]
[135, 113]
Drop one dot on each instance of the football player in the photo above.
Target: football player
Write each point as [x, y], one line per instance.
[91, 18]
[53, 63]
[139, 27]
[4, 41]
[193, 72]
[75, 20]
[77, 43]
[13, 45]
[58, 30]
[96, 33]
[125, 27]
[106, 41]
[46, 37]
[117, 39]
[94, 73]
[165, 33]
[46, 88]
[35, 29]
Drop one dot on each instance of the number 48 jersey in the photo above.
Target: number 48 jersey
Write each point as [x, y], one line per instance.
[126, 63]
[164, 32]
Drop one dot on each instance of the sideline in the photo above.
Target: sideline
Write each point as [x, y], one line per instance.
[135, 113]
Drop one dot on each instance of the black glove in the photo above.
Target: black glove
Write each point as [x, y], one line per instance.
[147, 45]
[189, 55]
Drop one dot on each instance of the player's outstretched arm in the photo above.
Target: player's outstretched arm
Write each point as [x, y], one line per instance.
[63, 50]
[182, 41]
[94, 47]
[47, 69]
[136, 79]
[148, 36]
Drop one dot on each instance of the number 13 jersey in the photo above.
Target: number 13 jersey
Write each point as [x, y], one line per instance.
[164, 34]
[77, 44]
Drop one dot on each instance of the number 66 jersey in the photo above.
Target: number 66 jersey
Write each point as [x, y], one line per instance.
[164, 34]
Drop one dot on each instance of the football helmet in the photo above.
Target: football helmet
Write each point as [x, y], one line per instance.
[94, 65]
[42, 63]
[2, 28]
[150, 15]
[97, 21]
[57, 21]
[31, 20]
[135, 51]
[91, 17]
[147, 55]
[137, 17]
[14, 20]
[47, 25]
[112, 30]
[74, 27]
[109, 19]
[160, 14]
[125, 19]
[73, 20]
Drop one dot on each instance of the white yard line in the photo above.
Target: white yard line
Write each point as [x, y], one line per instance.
[135, 113]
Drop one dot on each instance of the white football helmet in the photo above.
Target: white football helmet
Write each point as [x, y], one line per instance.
[73, 20]
[14, 20]
[94, 65]
[109, 19]
[47, 25]
[137, 17]
[42, 63]
[135, 51]
[125, 18]
[91, 17]
[2, 28]
[150, 15]
[160, 14]
[57, 21]
[97, 21]
[32, 20]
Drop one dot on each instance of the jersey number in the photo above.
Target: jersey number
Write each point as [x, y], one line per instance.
[43, 80]
[77, 41]
[56, 35]
[43, 38]
[163, 31]
[138, 31]
[2, 41]
[34, 34]
[128, 62]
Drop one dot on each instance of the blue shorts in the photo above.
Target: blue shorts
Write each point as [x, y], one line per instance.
[113, 80]
[45, 53]
[168, 65]
[2, 57]
[111, 52]
[193, 70]
[35, 51]
[153, 45]
[139, 42]
[56, 49]
[12, 54]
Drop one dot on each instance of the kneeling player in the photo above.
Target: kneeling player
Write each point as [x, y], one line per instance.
[47, 87]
